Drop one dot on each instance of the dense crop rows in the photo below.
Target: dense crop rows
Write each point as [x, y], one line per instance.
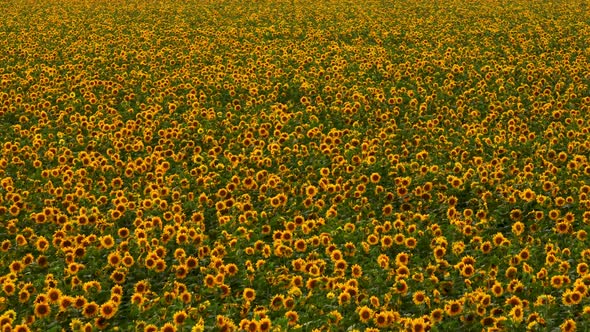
[273, 165]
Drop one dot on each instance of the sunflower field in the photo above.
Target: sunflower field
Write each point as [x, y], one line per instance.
[289, 165]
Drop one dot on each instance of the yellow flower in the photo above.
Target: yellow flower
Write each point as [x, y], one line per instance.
[420, 297]
[292, 317]
[107, 241]
[454, 308]
[569, 325]
[180, 317]
[53, 295]
[108, 310]
[249, 294]
[383, 261]
[42, 309]
[517, 313]
[343, 298]
[382, 319]
[375, 177]
[8, 287]
[90, 309]
[365, 314]
[411, 242]
[437, 315]
[418, 324]
[168, 327]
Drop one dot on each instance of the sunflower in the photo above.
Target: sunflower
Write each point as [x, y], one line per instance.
[276, 302]
[53, 295]
[225, 292]
[387, 210]
[90, 309]
[137, 299]
[517, 313]
[288, 302]
[497, 289]
[498, 239]
[249, 325]
[249, 294]
[292, 317]
[275, 201]
[180, 317]
[311, 191]
[402, 259]
[517, 227]
[375, 301]
[264, 325]
[87, 327]
[419, 325]
[386, 241]
[42, 309]
[128, 260]
[524, 254]
[160, 265]
[150, 328]
[381, 319]
[16, 267]
[568, 325]
[420, 297]
[372, 239]
[335, 254]
[21, 328]
[488, 321]
[181, 271]
[141, 286]
[24, 296]
[572, 297]
[300, 245]
[402, 272]
[454, 307]
[168, 327]
[356, 270]
[375, 177]
[108, 310]
[401, 287]
[563, 227]
[439, 252]
[118, 276]
[383, 261]
[114, 259]
[107, 241]
[557, 281]
[6, 244]
[411, 242]
[344, 298]
[42, 244]
[9, 288]
[365, 314]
